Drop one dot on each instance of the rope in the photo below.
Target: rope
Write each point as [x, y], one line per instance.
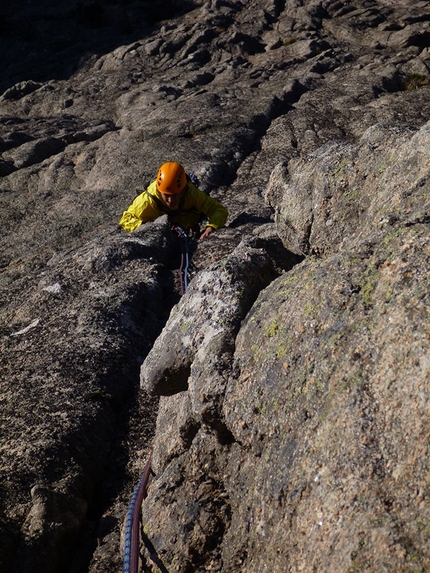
[183, 269]
[131, 540]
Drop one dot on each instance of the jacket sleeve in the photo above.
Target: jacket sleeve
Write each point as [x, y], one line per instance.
[215, 212]
[140, 211]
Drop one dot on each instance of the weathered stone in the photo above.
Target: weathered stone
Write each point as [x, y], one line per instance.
[365, 192]
[35, 151]
[176, 428]
[312, 402]
[21, 89]
[316, 403]
[208, 316]
[300, 442]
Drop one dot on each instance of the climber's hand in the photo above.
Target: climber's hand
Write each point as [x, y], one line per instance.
[206, 233]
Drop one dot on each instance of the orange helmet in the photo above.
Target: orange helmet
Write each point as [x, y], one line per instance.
[171, 178]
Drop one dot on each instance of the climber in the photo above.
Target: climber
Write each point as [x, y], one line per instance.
[174, 193]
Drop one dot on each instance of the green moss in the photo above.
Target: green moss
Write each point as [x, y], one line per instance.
[393, 235]
[318, 386]
[286, 284]
[184, 327]
[281, 351]
[305, 388]
[357, 378]
[389, 294]
[415, 557]
[307, 309]
[289, 41]
[311, 310]
[352, 194]
[378, 521]
[260, 407]
[367, 294]
[273, 329]
[423, 527]
[255, 350]
[340, 168]
[414, 81]
[334, 340]
[275, 406]
[352, 261]
[368, 285]
[355, 566]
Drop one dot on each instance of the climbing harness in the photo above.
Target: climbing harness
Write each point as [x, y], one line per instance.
[185, 262]
[131, 538]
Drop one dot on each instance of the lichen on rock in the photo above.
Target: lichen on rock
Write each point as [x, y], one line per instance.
[292, 430]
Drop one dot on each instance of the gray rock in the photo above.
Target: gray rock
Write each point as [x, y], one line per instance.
[20, 90]
[312, 400]
[208, 316]
[345, 177]
[298, 438]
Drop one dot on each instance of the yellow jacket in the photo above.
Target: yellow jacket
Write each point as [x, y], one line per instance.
[148, 206]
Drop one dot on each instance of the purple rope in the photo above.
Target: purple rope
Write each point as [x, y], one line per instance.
[131, 541]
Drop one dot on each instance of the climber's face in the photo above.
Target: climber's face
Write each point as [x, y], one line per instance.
[172, 201]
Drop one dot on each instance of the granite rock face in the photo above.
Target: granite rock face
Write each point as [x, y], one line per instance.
[285, 395]
[325, 410]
